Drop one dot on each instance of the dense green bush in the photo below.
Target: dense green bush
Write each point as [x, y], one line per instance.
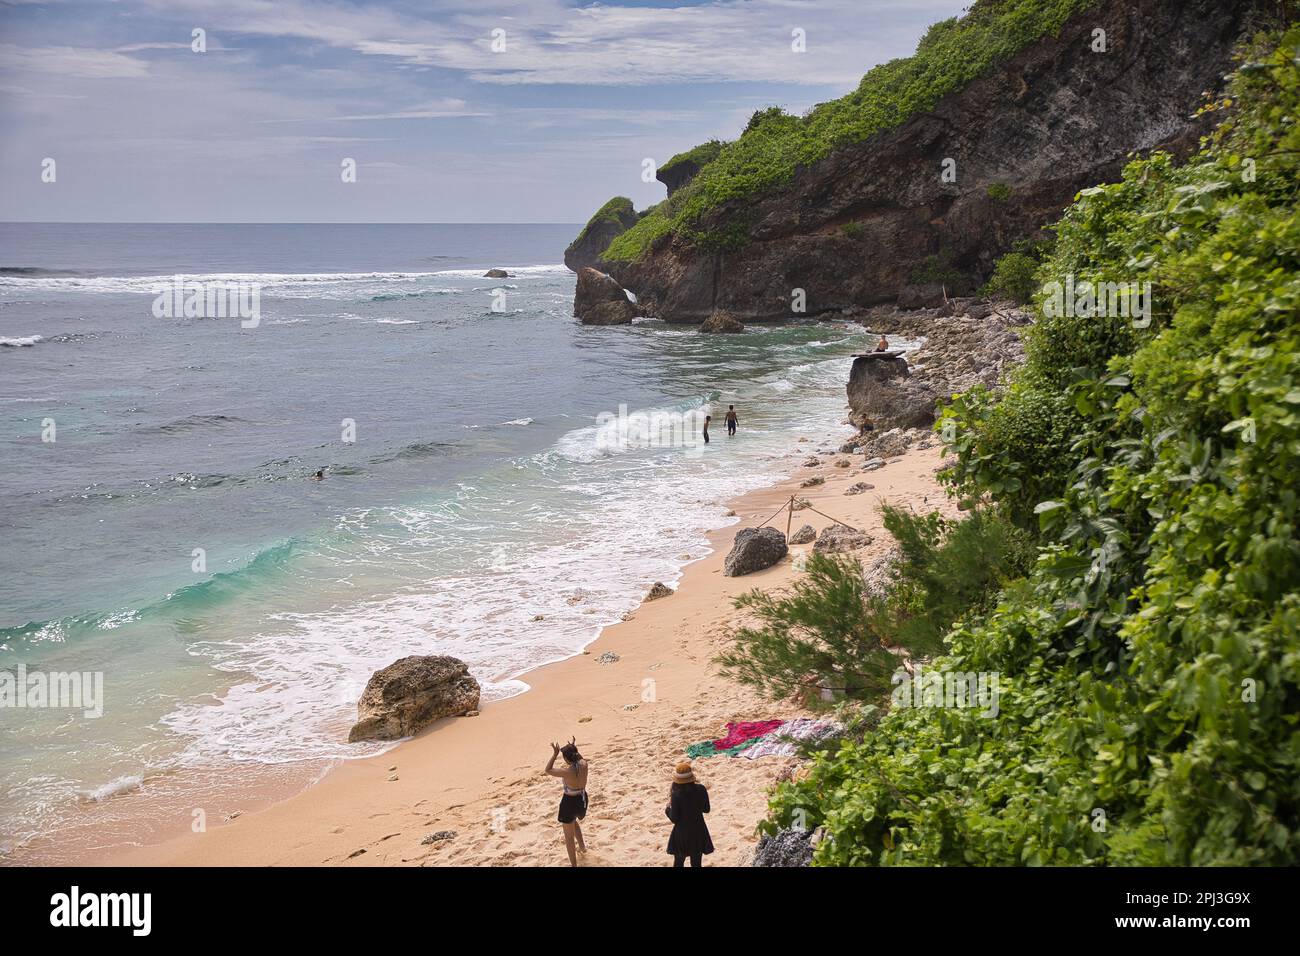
[1015, 275]
[1149, 666]
[775, 144]
[700, 155]
[831, 631]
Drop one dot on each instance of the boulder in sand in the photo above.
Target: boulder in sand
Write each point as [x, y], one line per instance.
[754, 550]
[839, 538]
[660, 590]
[410, 694]
[804, 535]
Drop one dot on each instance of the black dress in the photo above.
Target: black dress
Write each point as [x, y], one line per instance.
[690, 837]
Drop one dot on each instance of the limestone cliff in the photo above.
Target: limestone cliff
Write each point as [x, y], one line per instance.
[873, 219]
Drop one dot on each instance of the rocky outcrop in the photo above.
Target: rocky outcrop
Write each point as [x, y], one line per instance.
[959, 351]
[496, 274]
[864, 223]
[883, 394]
[722, 322]
[599, 300]
[612, 220]
[754, 549]
[410, 694]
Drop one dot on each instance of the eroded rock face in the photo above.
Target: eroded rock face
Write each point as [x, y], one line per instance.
[754, 549]
[1052, 120]
[600, 300]
[410, 694]
[882, 393]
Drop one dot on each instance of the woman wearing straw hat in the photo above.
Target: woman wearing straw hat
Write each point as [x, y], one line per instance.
[688, 801]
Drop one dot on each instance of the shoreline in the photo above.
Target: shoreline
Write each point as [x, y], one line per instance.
[481, 776]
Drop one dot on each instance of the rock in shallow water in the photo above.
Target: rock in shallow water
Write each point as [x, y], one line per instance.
[599, 300]
[754, 550]
[410, 694]
[723, 322]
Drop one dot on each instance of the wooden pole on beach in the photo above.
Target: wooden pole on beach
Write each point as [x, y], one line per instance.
[789, 518]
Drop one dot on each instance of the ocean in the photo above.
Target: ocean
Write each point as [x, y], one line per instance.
[477, 500]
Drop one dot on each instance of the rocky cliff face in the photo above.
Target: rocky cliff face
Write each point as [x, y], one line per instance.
[610, 221]
[861, 226]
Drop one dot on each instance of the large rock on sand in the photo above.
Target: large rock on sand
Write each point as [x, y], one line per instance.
[754, 550]
[599, 300]
[839, 538]
[408, 695]
[883, 393]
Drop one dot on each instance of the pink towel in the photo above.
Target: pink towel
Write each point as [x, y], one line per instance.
[738, 733]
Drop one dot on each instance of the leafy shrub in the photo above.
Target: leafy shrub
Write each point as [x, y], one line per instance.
[831, 631]
[938, 270]
[1015, 274]
[1149, 664]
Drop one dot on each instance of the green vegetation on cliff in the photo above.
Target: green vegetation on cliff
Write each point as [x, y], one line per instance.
[1148, 664]
[614, 211]
[700, 155]
[775, 144]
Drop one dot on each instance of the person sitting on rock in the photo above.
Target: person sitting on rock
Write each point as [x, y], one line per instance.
[573, 805]
[883, 344]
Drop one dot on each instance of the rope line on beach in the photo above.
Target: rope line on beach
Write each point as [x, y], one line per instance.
[790, 505]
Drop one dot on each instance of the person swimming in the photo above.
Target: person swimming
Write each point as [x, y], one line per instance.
[573, 804]
[319, 476]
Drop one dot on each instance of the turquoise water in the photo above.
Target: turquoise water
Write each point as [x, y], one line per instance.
[478, 494]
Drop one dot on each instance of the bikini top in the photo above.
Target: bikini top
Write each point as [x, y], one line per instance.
[570, 792]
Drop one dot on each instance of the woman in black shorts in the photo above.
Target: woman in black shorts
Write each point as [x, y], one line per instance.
[573, 805]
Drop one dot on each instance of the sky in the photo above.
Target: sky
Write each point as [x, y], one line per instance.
[451, 110]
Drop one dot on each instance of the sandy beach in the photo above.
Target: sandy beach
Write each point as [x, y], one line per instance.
[481, 776]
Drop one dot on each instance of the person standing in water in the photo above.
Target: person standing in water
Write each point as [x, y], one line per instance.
[688, 802]
[573, 805]
[731, 420]
[707, 419]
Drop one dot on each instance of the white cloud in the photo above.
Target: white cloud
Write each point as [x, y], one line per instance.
[71, 61]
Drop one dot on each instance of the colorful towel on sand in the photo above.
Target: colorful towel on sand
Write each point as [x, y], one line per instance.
[784, 741]
[764, 738]
[705, 748]
[744, 730]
